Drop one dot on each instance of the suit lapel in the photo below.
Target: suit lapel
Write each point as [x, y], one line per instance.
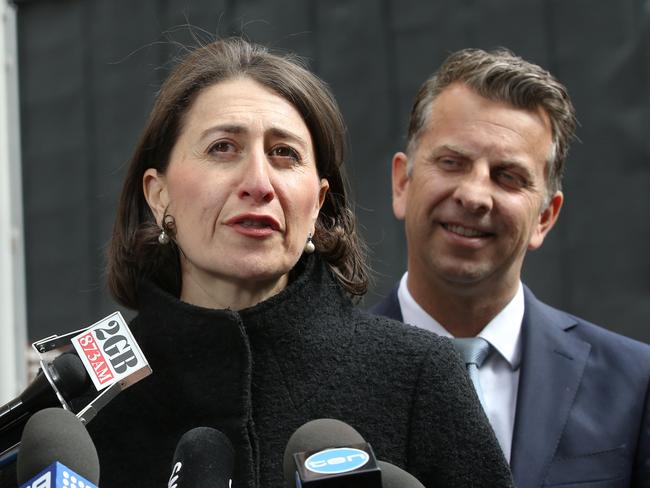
[553, 362]
[389, 306]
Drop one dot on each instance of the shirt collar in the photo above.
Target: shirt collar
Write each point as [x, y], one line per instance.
[503, 332]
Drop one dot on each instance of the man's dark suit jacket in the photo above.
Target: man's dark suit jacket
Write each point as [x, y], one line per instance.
[583, 407]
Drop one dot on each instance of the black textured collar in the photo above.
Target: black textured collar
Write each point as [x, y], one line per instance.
[304, 326]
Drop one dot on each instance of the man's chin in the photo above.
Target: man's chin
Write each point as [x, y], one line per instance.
[464, 275]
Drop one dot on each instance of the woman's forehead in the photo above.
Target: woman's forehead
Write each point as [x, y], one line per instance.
[244, 105]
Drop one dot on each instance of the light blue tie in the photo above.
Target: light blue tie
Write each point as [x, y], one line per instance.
[474, 351]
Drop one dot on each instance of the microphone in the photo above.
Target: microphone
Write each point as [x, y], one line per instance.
[394, 477]
[109, 358]
[68, 375]
[204, 458]
[329, 453]
[56, 451]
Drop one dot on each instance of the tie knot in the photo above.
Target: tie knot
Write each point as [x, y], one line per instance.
[474, 350]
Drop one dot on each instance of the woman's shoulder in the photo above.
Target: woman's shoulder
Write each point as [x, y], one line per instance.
[374, 323]
[391, 334]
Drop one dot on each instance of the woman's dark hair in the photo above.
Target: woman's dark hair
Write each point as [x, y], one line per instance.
[134, 252]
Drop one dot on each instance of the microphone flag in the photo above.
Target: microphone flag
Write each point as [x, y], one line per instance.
[109, 351]
[353, 465]
[57, 475]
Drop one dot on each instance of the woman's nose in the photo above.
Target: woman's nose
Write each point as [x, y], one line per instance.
[256, 179]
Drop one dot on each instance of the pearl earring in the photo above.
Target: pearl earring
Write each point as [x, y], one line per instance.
[163, 237]
[309, 245]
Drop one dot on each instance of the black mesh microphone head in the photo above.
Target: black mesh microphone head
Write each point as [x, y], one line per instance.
[204, 458]
[394, 477]
[69, 375]
[51, 435]
[317, 435]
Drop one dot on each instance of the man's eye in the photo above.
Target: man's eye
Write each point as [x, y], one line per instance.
[284, 152]
[511, 180]
[449, 163]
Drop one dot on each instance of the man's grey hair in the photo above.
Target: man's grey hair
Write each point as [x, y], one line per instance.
[501, 76]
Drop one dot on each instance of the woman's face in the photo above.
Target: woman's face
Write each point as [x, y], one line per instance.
[242, 187]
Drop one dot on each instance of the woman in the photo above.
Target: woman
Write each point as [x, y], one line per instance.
[235, 243]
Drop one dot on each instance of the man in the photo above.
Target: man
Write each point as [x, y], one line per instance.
[478, 186]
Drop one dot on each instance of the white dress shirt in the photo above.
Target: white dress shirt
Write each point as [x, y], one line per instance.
[499, 375]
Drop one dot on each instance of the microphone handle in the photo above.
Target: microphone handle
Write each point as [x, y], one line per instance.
[12, 422]
[15, 414]
[11, 412]
[38, 395]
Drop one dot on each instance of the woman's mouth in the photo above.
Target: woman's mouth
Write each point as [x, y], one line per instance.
[254, 225]
[257, 224]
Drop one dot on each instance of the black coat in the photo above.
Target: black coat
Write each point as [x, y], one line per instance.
[306, 353]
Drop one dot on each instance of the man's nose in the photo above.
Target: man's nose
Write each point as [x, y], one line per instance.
[474, 190]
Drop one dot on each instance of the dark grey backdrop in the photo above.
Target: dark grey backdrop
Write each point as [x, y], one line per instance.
[90, 68]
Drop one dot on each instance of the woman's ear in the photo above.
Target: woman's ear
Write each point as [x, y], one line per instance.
[154, 186]
[324, 187]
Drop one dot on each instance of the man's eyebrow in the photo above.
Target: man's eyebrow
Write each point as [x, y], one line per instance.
[467, 154]
[519, 166]
[447, 148]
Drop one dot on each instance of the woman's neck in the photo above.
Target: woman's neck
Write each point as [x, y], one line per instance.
[236, 294]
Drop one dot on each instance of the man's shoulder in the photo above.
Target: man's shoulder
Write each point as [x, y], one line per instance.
[388, 306]
[602, 340]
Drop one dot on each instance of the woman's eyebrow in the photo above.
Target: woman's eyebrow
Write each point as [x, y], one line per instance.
[285, 134]
[228, 128]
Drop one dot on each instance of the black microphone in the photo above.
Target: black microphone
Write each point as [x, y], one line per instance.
[329, 453]
[204, 458]
[69, 376]
[53, 437]
[394, 477]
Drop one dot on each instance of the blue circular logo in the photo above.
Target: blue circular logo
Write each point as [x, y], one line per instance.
[335, 461]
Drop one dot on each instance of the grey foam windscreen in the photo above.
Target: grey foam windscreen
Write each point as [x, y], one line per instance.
[317, 435]
[394, 477]
[51, 435]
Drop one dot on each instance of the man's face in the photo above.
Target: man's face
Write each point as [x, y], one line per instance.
[476, 199]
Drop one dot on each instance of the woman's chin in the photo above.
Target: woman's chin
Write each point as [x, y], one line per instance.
[261, 267]
[254, 274]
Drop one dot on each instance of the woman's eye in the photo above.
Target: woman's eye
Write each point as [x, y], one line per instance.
[221, 147]
[284, 152]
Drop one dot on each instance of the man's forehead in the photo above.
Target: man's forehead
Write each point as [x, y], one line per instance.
[459, 91]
